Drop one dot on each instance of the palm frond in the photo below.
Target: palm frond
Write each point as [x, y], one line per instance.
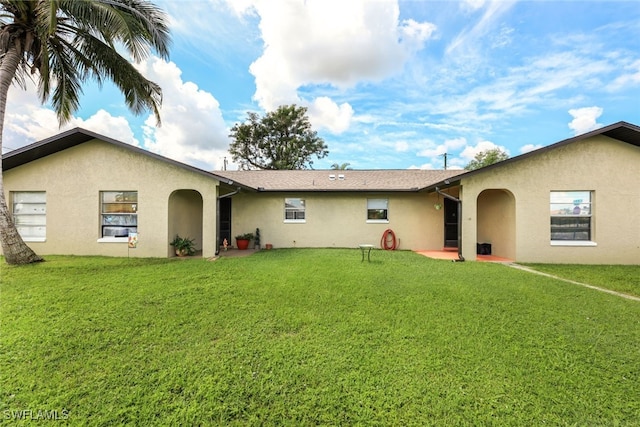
[138, 25]
[96, 59]
[66, 42]
[67, 90]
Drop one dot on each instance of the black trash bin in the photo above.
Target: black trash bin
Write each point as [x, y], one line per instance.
[483, 249]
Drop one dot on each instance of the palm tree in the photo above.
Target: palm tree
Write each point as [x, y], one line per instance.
[343, 166]
[63, 43]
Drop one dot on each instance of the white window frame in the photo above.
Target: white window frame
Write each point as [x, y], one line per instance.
[560, 206]
[378, 204]
[29, 213]
[294, 206]
[134, 209]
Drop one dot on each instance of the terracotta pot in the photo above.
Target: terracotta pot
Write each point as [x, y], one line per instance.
[181, 252]
[269, 246]
[242, 244]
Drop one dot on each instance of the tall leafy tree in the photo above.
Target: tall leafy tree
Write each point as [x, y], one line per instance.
[486, 158]
[62, 44]
[282, 139]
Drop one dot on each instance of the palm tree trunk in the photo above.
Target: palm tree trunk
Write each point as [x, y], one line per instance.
[14, 249]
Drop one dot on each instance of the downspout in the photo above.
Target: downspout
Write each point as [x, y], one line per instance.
[224, 196]
[459, 202]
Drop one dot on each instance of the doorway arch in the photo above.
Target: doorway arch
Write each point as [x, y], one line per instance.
[185, 217]
[496, 213]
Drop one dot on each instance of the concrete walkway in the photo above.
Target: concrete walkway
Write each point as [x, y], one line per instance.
[608, 291]
[233, 253]
[453, 255]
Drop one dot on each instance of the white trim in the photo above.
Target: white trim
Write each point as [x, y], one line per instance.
[295, 221]
[573, 243]
[377, 221]
[113, 240]
[34, 239]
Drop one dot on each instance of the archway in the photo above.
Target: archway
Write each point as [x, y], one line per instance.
[185, 217]
[496, 213]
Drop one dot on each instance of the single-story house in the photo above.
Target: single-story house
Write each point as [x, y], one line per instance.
[576, 201]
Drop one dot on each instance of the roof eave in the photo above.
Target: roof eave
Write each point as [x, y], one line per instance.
[344, 190]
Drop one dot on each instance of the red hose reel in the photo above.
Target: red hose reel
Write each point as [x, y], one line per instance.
[388, 241]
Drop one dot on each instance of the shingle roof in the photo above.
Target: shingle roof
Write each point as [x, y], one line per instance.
[339, 180]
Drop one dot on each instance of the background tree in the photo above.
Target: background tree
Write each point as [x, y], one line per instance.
[62, 44]
[341, 166]
[486, 158]
[282, 139]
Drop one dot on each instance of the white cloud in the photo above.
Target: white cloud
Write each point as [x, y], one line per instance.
[212, 31]
[585, 119]
[503, 38]
[27, 121]
[449, 146]
[424, 166]
[329, 42]
[470, 151]
[629, 78]
[542, 82]
[114, 127]
[458, 153]
[487, 23]
[324, 113]
[456, 143]
[193, 130]
[414, 33]
[241, 7]
[401, 146]
[472, 4]
[529, 147]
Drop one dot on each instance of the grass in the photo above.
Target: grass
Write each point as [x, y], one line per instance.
[309, 337]
[620, 278]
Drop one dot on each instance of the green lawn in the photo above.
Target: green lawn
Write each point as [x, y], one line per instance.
[313, 337]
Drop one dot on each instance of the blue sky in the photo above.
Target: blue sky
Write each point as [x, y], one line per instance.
[388, 84]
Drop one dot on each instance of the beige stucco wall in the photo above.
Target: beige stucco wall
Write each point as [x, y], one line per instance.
[609, 168]
[74, 178]
[339, 220]
[185, 216]
[496, 222]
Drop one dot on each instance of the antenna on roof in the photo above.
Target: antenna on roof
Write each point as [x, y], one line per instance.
[445, 160]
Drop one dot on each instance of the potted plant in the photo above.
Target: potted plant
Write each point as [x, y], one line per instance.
[242, 240]
[257, 240]
[183, 245]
